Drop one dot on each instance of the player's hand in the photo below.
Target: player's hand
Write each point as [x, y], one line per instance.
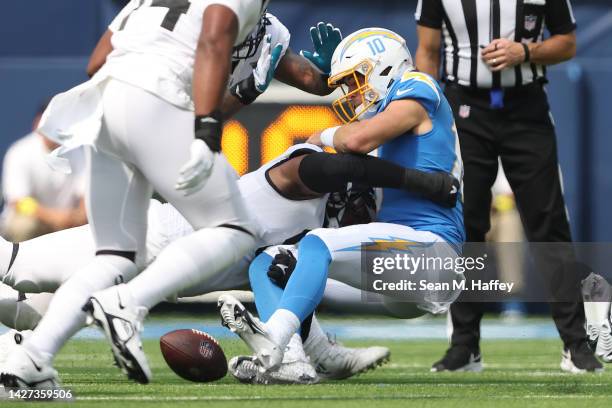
[250, 88]
[282, 267]
[445, 188]
[503, 53]
[195, 172]
[315, 139]
[266, 64]
[325, 39]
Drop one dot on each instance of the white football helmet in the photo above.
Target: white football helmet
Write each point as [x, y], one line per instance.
[380, 56]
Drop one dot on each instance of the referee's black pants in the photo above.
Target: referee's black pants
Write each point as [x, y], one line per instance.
[523, 136]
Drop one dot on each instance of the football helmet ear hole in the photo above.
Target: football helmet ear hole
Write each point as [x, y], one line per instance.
[386, 71]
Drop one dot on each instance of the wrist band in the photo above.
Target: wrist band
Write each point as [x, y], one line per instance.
[327, 136]
[209, 128]
[527, 52]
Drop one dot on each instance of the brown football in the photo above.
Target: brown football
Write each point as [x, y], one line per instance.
[193, 355]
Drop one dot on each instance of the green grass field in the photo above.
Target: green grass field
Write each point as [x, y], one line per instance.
[518, 373]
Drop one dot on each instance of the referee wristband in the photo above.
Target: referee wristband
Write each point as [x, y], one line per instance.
[527, 52]
[327, 136]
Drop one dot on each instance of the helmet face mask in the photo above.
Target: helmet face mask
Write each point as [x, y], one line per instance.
[373, 58]
[248, 48]
[344, 107]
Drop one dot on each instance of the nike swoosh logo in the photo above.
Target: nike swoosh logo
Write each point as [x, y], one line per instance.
[36, 366]
[208, 120]
[119, 301]
[238, 91]
[454, 190]
[404, 91]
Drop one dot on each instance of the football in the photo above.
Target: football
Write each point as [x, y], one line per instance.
[194, 355]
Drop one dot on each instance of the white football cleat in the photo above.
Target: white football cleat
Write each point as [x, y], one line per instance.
[25, 369]
[246, 370]
[592, 336]
[333, 361]
[9, 340]
[603, 350]
[295, 368]
[114, 311]
[268, 355]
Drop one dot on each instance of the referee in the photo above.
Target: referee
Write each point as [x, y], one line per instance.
[494, 57]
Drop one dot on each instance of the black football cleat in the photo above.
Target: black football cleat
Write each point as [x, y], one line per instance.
[459, 358]
[579, 358]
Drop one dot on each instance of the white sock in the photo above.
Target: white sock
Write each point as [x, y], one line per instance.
[189, 261]
[295, 350]
[316, 337]
[282, 325]
[597, 313]
[65, 316]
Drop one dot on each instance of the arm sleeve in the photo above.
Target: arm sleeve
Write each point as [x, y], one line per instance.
[560, 17]
[429, 13]
[119, 20]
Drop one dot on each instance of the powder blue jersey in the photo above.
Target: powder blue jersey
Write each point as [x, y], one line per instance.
[437, 150]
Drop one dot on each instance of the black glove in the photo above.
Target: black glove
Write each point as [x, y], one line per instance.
[282, 267]
[438, 186]
[447, 189]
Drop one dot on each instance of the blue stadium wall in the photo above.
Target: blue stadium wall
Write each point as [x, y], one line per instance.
[44, 48]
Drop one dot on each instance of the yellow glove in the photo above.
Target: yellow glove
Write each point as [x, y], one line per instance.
[26, 206]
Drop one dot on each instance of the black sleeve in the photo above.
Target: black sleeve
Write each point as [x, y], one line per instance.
[430, 13]
[327, 173]
[559, 17]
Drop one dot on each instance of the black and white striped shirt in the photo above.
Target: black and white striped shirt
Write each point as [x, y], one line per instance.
[468, 24]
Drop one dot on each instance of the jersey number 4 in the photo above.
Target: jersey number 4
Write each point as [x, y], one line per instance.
[175, 9]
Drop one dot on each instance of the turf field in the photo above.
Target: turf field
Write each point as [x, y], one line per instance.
[518, 373]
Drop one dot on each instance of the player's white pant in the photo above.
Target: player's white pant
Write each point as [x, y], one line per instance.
[143, 143]
[345, 243]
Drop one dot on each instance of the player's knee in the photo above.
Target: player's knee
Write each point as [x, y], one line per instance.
[259, 267]
[313, 244]
[323, 234]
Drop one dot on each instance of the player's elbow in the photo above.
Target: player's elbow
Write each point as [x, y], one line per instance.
[568, 47]
[571, 49]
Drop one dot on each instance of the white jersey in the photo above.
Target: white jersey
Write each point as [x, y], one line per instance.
[276, 218]
[154, 43]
